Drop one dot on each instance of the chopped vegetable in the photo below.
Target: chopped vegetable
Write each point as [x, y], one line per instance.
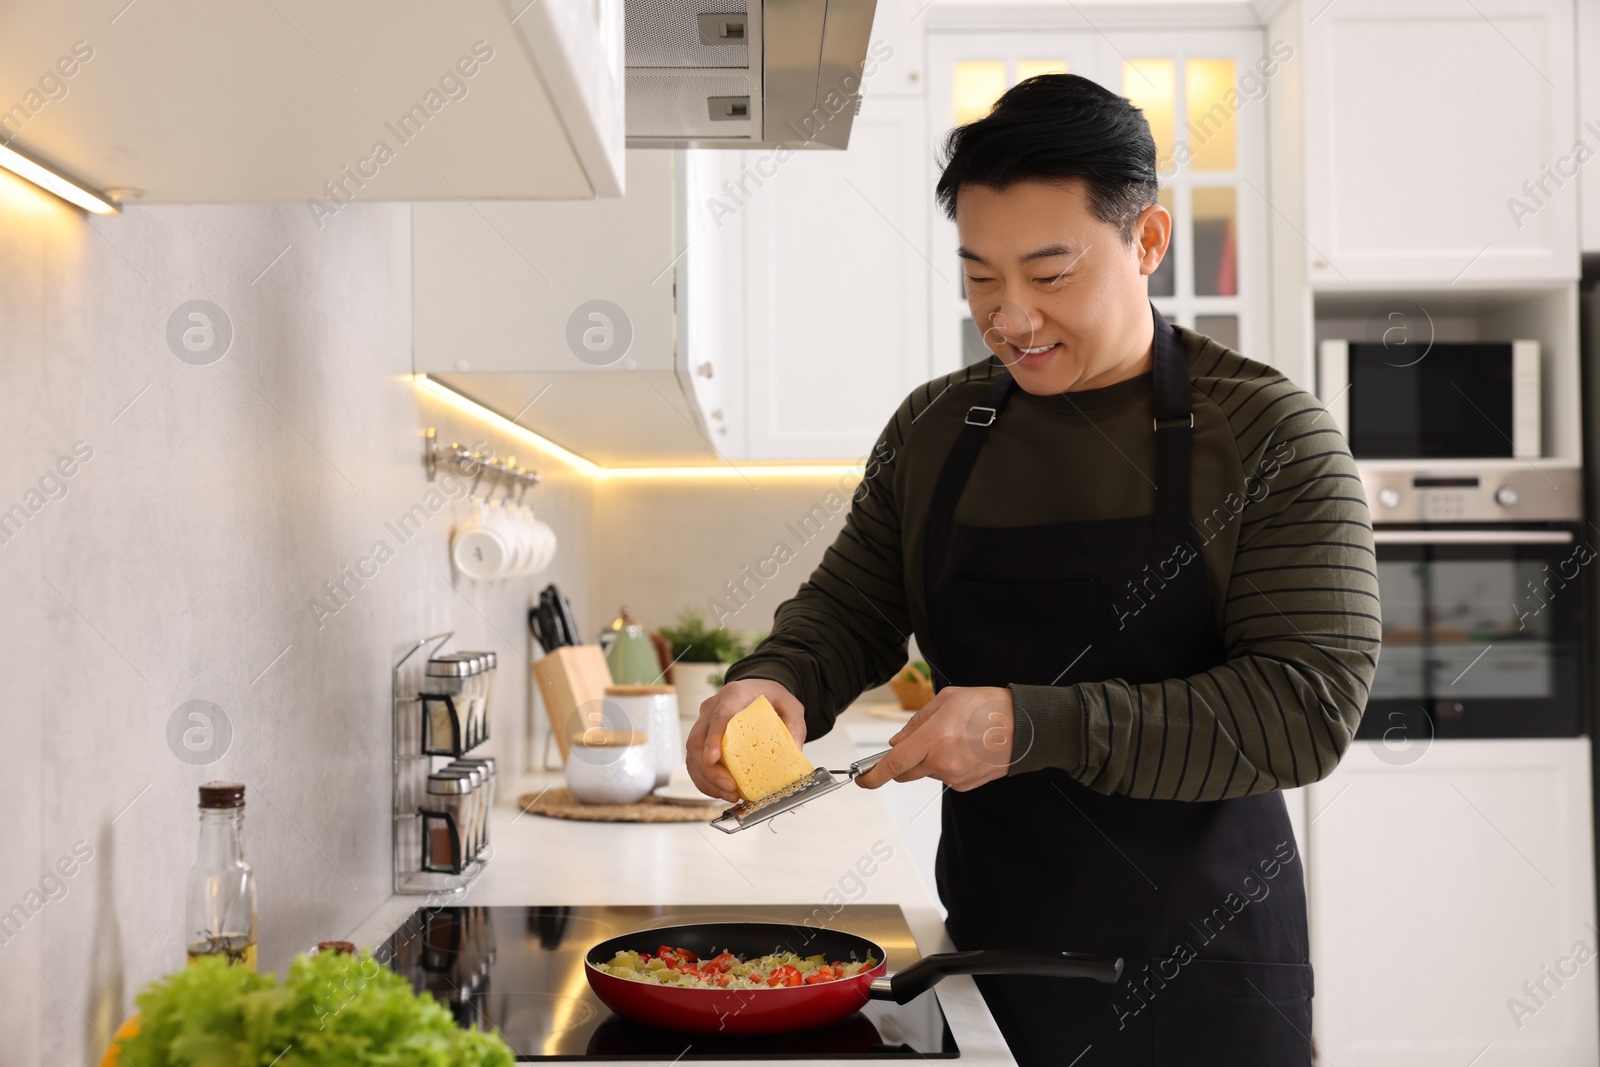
[680, 967]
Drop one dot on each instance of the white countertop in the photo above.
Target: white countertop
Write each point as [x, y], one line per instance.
[538, 860]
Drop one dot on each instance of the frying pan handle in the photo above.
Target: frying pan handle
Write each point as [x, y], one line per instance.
[923, 975]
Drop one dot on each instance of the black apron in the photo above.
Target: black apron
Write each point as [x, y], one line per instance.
[1204, 901]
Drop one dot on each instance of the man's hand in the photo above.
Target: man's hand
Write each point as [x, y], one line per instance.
[703, 751]
[961, 737]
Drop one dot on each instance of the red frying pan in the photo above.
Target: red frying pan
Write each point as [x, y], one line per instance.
[787, 1009]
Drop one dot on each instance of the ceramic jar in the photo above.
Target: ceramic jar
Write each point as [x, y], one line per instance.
[610, 766]
[654, 710]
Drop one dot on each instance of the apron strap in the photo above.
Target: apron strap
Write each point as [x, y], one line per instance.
[963, 455]
[1174, 421]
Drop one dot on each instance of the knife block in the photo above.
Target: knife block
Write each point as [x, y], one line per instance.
[569, 678]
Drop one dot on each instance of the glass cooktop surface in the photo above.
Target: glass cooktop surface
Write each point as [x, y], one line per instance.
[519, 971]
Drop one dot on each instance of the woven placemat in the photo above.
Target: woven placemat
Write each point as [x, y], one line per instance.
[559, 803]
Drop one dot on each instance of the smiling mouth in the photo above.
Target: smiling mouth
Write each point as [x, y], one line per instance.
[1033, 354]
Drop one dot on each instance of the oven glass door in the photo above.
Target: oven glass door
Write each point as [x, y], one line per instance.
[1482, 633]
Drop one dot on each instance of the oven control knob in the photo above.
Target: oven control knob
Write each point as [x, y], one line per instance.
[1389, 497]
[1505, 496]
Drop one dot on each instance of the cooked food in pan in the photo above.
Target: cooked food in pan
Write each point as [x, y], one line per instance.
[680, 967]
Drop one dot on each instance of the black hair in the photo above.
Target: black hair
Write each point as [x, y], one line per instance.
[1055, 128]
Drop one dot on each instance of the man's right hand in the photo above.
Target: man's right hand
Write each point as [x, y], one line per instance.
[703, 751]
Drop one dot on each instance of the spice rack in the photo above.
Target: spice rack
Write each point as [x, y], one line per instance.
[427, 726]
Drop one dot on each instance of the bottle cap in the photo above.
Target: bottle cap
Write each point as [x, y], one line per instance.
[344, 947]
[472, 662]
[222, 795]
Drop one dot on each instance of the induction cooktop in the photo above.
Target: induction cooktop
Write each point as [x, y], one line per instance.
[518, 971]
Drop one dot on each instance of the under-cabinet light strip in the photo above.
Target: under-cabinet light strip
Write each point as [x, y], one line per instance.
[596, 471]
[52, 181]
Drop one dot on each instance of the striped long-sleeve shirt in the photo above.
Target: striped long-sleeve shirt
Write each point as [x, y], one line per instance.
[1284, 535]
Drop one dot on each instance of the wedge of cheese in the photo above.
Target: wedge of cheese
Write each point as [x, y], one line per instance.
[760, 752]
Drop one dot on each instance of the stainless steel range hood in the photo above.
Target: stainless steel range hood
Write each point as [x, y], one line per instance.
[744, 73]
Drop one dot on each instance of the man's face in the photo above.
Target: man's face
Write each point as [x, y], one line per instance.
[1061, 297]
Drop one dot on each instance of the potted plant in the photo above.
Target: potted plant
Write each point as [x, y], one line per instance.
[913, 686]
[699, 652]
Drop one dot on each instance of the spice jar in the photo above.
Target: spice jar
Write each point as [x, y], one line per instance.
[468, 709]
[475, 692]
[444, 819]
[490, 662]
[445, 703]
[484, 795]
[474, 800]
[476, 686]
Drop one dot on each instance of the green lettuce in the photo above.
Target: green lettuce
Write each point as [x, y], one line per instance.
[330, 1010]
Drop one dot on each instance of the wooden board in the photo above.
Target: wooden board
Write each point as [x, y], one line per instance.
[559, 803]
[570, 678]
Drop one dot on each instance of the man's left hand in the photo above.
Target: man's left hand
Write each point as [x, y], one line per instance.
[962, 737]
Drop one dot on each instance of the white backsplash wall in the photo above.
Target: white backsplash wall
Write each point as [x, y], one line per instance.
[665, 545]
[209, 501]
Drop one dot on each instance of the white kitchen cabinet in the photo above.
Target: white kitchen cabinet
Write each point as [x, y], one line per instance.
[899, 34]
[1439, 884]
[1430, 127]
[191, 102]
[573, 319]
[1588, 38]
[496, 283]
[836, 274]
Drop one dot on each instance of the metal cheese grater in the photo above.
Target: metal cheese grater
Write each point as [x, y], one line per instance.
[748, 813]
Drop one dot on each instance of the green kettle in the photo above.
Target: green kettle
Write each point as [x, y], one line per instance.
[630, 653]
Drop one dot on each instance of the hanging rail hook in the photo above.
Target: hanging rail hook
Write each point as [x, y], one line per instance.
[467, 461]
[478, 463]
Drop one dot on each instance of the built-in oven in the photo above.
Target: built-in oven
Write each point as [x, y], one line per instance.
[1481, 578]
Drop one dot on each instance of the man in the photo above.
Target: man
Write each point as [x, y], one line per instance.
[1141, 568]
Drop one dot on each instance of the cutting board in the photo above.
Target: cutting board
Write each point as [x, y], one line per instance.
[569, 678]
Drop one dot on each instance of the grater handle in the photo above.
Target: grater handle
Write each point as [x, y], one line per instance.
[866, 763]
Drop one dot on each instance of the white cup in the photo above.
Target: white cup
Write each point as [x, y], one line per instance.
[532, 544]
[478, 548]
[516, 528]
[545, 538]
[610, 766]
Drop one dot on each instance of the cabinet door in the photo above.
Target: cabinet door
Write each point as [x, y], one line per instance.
[498, 285]
[898, 44]
[1440, 141]
[1588, 34]
[837, 286]
[710, 280]
[1441, 880]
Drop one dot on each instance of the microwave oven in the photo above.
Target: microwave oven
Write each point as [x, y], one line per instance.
[1458, 400]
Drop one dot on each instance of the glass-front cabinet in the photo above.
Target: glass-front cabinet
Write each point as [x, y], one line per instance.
[1203, 93]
